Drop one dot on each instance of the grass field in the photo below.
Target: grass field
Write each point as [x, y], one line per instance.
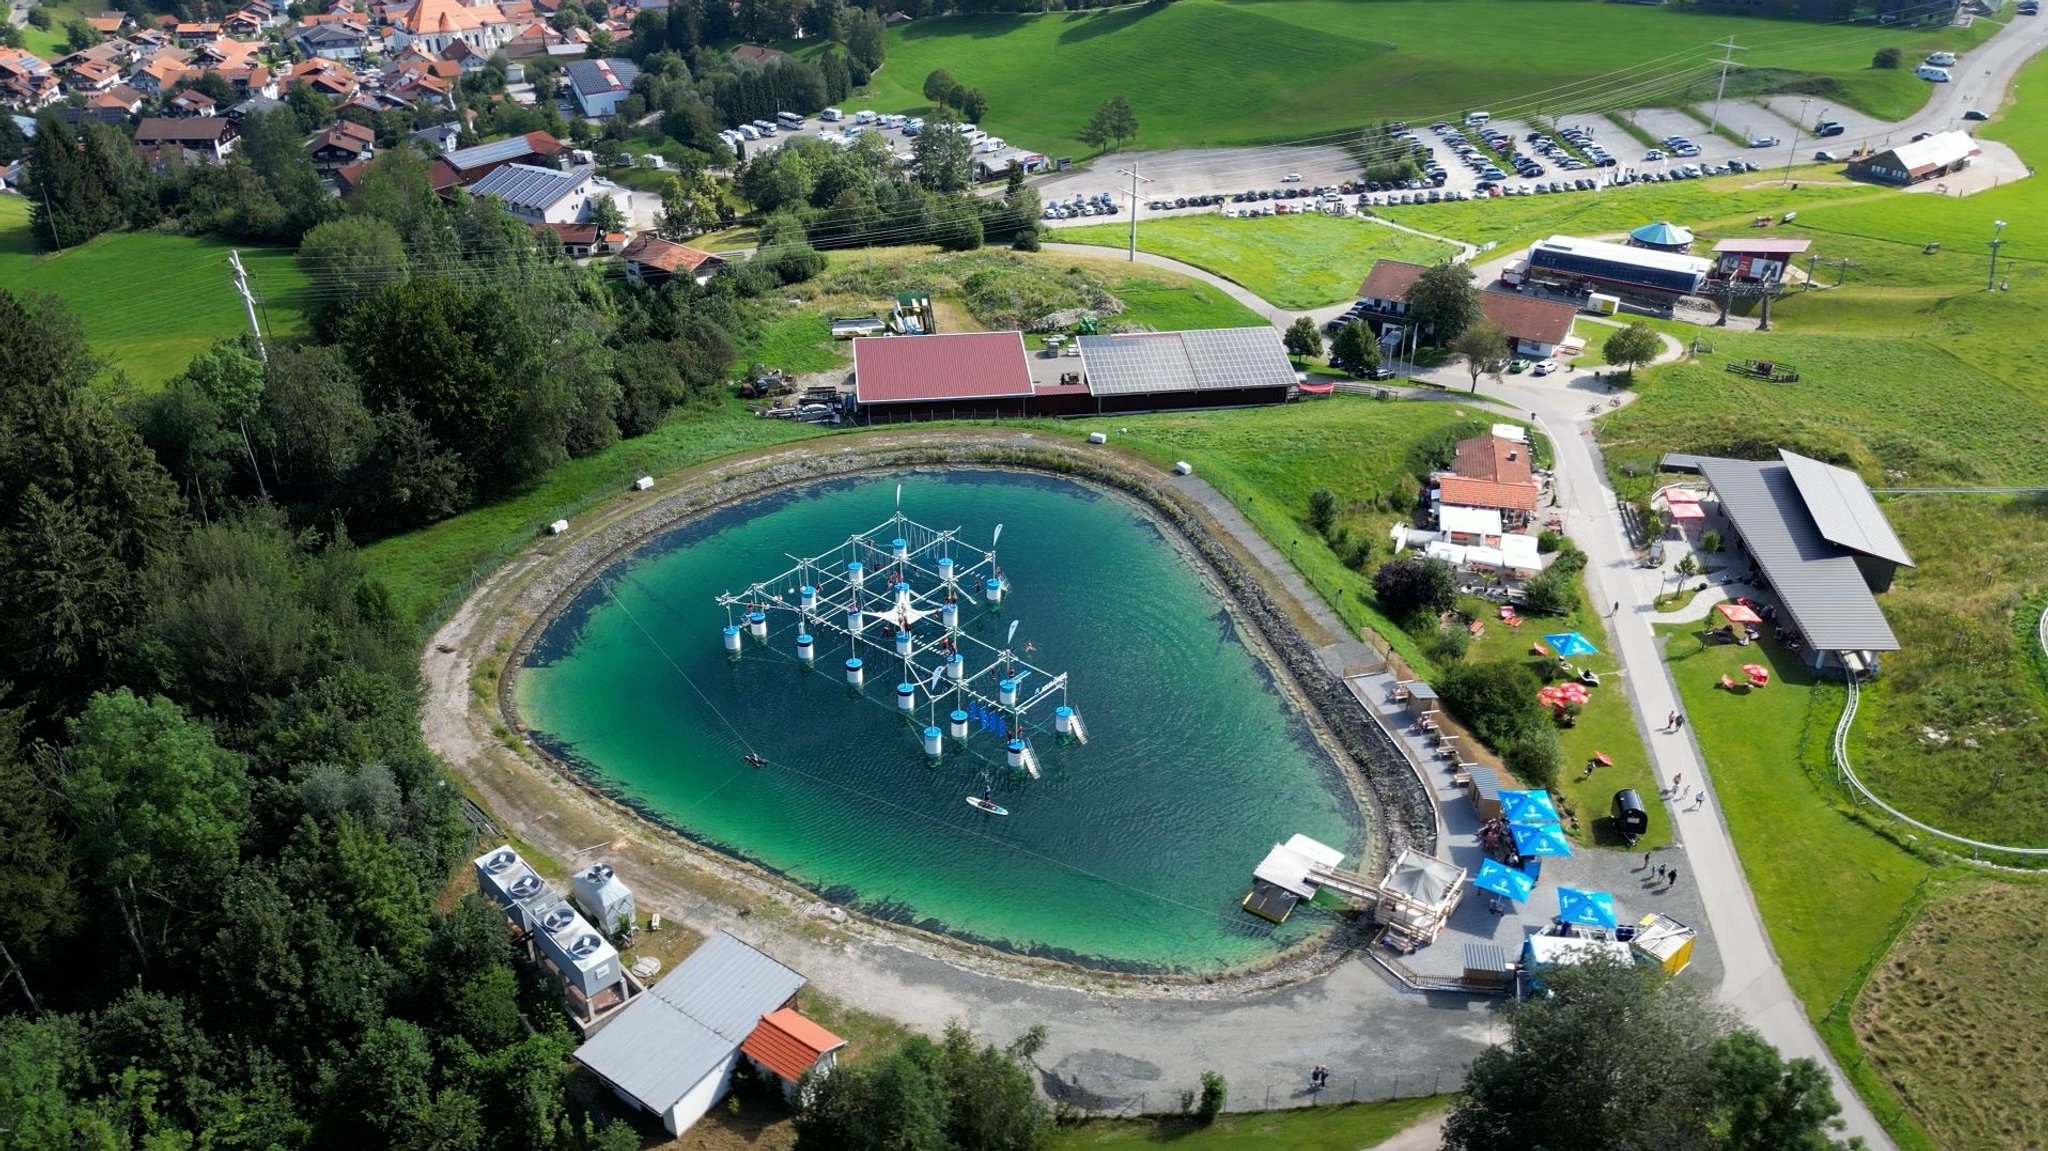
[1350, 1127]
[149, 301]
[1289, 69]
[1950, 1030]
[1293, 262]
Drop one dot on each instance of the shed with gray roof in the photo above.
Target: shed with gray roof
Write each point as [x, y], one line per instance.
[672, 1051]
[1815, 533]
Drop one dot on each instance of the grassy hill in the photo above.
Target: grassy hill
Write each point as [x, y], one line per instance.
[150, 301]
[1270, 70]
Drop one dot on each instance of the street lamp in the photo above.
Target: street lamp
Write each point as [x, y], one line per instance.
[1794, 153]
[1997, 242]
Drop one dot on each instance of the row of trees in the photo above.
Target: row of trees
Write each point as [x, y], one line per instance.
[848, 196]
[220, 834]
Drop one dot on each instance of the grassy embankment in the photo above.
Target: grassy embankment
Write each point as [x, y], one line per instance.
[1302, 68]
[1351, 1127]
[1293, 262]
[149, 302]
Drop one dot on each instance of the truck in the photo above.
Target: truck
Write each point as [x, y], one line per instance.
[1603, 305]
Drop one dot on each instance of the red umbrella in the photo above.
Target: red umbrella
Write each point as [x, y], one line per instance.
[1573, 693]
[1757, 673]
[1738, 613]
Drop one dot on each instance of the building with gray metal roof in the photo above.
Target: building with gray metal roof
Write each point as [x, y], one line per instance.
[672, 1050]
[1222, 365]
[547, 196]
[601, 85]
[1817, 536]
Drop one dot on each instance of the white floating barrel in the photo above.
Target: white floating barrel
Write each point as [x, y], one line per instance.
[855, 573]
[807, 598]
[854, 675]
[1015, 754]
[903, 641]
[946, 570]
[906, 697]
[732, 640]
[957, 724]
[643, 483]
[1063, 719]
[932, 746]
[1006, 692]
[757, 624]
[994, 589]
[854, 620]
[950, 615]
[900, 549]
[805, 649]
[956, 668]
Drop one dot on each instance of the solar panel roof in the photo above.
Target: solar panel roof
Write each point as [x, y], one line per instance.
[1212, 360]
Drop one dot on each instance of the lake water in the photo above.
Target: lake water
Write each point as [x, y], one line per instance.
[1132, 852]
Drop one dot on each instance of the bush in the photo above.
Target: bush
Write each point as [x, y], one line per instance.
[1552, 593]
[1447, 645]
[1358, 553]
[1711, 541]
[1548, 542]
[1886, 58]
[1414, 584]
[1497, 700]
[1322, 510]
[1214, 1090]
[1537, 757]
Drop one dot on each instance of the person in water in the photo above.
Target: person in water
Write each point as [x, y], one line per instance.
[753, 759]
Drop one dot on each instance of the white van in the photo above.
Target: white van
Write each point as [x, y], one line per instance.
[1936, 75]
[1475, 119]
[832, 114]
[1942, 59]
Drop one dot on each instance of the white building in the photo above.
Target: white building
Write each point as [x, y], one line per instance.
[546, 196]
[601, 85]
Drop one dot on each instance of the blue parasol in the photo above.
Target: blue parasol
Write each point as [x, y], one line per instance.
[1528, 807]
[1570, 643]
[1590, 908]
[1539, 839]
[1501, 879]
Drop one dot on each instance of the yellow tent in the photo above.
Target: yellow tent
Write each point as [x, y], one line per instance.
[1666, 941]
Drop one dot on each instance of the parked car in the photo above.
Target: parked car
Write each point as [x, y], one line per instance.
[1291, 178]
[1543, 369]
[1825, 156]
[1829, 128]
[1653, 154]
[1976, 114]
[1764, 142]
[1517, 367]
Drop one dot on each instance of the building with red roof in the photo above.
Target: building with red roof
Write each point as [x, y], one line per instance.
[789, 1046]
[962, 371]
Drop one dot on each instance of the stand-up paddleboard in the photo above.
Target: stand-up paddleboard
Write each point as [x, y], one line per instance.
[988, 805]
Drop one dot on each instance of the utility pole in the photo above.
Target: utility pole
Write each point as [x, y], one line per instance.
[1794, 153]
[1729, 49]
[1997, 242]
[248, 302]
[1132, 172]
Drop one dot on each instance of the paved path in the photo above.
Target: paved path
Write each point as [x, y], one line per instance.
[1278, 317]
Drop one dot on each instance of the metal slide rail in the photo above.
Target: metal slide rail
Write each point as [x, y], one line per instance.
[1841, 754]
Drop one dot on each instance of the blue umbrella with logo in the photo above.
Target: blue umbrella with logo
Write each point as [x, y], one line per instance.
[1528, 807]
[1501, 879]
[1588, 908]
[1570, 643]
[1539, 839]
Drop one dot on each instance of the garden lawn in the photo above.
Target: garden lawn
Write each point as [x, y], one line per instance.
[1292, 262]
[150, 302]
[1950, 1026]
[1348, 1127]
[1289, 69]
[1268, 460]
[428, 570]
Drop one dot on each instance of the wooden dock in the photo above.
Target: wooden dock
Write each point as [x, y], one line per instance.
[1345, 882]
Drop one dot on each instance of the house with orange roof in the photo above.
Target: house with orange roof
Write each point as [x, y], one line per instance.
[788, 1046]
[108, 23]
[434, 24]
[89, 76]
[194, 33]
[649, 259]
[191, 102]
[344, 143]
[163, 72]
[117, 105]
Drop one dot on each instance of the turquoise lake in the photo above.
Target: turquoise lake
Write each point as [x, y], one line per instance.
[1132, 852]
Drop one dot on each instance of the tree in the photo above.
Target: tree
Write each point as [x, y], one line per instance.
[1614, 1055]
[1496, 699]
[1304, 341]
[348, 261]
[158, 806]
[1322, 510]
[939, 86]
[927, 1096]
[1886, 58]
[312, 427]
[76, 186]
[1113, 123]
[1483, 347]
[1443, 300]
[973, 105]
[942, 158]
[1414, 584]
[1632, 347]
[1354, 351]
[1214, 1091]
[605, 213]
[864, 42]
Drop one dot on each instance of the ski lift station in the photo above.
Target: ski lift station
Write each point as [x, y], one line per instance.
[890, 604]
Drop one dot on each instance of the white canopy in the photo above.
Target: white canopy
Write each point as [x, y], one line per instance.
[1519, 553]
[1471, 521]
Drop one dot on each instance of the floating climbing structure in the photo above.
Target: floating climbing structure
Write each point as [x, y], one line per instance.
[906, 600]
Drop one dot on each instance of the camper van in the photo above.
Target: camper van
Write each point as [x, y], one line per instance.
[1942, 59]
[789, 121]
[1933, 74]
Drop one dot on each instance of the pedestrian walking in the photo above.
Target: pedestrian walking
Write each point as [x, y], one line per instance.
[1681, 719]
[1661, 868]
[1671, 721]
[1671, 879]
[1646, 861]
[1700, 798]
[1675, 781]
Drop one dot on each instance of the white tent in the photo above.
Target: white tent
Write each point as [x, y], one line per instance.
[1519, 553]
[1469, 521]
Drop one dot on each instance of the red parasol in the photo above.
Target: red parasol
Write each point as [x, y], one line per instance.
[1757, 673]
[1737, 613]
[1681, 496]
[1573, 692]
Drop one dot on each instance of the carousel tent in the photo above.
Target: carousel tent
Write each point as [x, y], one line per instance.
[1418, 894]
[1663, 235]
